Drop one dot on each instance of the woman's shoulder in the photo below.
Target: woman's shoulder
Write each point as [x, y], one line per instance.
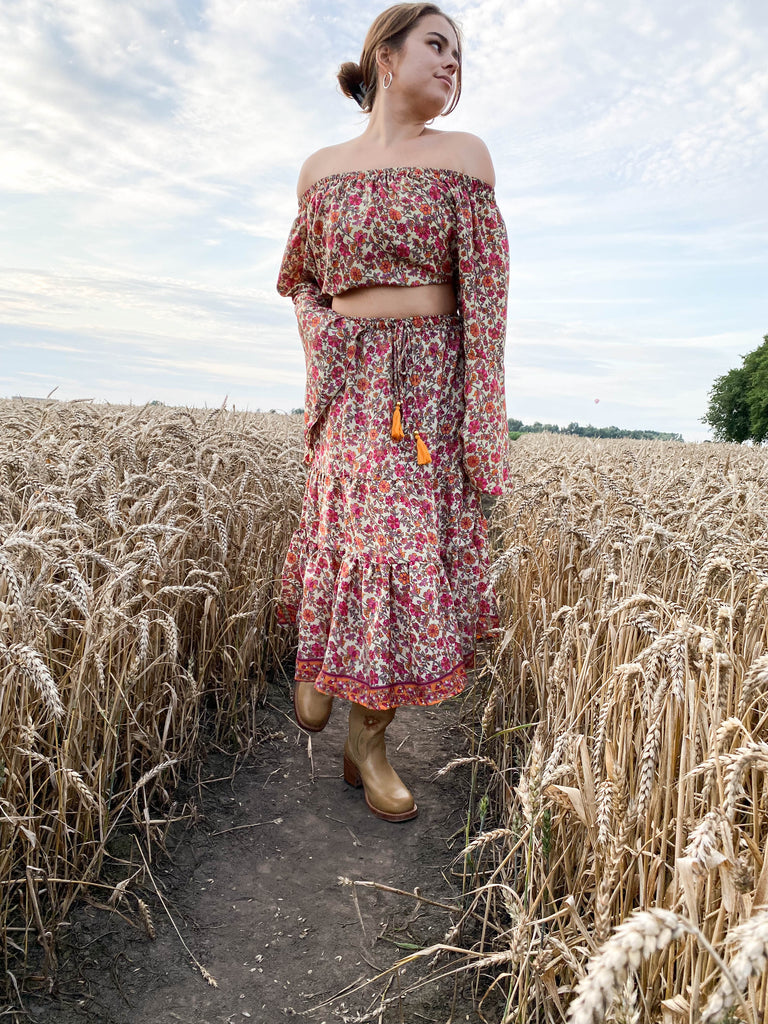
[467, 153]
[321, 163]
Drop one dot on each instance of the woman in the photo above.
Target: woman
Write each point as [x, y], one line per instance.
[397, 265]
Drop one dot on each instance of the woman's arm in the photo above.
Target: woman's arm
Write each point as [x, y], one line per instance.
[482, 282]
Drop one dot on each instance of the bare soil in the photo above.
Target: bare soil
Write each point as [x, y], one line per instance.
[253, 887]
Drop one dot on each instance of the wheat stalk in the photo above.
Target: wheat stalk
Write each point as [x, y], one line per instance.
[624, 626]
[105, 571]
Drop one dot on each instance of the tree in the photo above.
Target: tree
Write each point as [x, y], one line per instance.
[756, 367]
[738, 401]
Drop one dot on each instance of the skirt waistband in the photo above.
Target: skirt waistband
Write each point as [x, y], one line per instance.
[438, 319]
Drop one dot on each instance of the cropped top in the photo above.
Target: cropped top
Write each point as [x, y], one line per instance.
[405, 226]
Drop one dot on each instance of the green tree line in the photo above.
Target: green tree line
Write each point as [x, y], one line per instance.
[517, 427]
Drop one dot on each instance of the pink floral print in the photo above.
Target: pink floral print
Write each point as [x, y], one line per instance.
[386, 575]
[406, 226]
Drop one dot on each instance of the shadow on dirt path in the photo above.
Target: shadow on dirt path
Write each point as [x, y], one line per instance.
[254, 890]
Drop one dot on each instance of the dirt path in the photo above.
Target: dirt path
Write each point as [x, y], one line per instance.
[254, 890]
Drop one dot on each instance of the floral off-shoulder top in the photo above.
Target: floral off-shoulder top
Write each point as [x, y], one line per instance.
[406, 226]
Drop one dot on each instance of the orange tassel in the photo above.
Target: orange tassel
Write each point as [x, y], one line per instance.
[422, 452]
[397, 425]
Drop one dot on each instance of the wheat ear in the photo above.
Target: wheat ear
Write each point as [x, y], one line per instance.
[751, 940]
[644, 933]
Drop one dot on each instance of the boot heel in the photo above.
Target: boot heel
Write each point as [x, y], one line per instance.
[351, 774]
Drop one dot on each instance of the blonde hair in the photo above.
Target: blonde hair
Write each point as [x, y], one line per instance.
[391, 28]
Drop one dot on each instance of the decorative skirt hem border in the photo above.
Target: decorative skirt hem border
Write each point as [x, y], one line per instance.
[348, 687]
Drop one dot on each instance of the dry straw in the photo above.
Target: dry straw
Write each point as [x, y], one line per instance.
[139, 556]
[633, 588]
[621, 741]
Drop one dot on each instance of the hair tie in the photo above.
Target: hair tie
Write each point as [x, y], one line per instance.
[359, 92]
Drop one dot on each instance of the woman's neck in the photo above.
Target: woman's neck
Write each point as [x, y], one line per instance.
[389, 128]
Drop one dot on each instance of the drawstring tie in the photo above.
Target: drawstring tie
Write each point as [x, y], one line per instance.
[400, 373]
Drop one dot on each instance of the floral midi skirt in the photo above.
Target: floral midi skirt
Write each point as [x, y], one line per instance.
[386, 576]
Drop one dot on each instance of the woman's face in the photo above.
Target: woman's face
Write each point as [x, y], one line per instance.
[425, 68]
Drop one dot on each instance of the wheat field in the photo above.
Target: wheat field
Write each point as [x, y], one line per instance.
[139, 549]
[623, 735]
[620, 753]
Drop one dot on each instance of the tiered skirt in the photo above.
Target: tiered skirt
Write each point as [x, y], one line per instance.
[386, 576]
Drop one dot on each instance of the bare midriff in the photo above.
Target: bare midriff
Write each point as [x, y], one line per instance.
[397, 301]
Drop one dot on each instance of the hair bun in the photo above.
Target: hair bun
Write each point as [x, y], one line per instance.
[352, 83]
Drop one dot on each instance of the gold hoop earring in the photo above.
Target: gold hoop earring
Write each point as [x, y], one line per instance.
[384, 83]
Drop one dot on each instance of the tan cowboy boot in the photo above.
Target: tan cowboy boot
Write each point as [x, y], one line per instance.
[366, 765]
[312, 708]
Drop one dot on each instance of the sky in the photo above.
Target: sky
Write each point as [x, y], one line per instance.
[150, 151]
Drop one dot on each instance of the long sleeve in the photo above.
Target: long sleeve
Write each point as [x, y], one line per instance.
[482, 285]
[328, 349]
[297, 267]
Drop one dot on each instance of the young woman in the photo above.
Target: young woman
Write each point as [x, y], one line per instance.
[397, 264]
